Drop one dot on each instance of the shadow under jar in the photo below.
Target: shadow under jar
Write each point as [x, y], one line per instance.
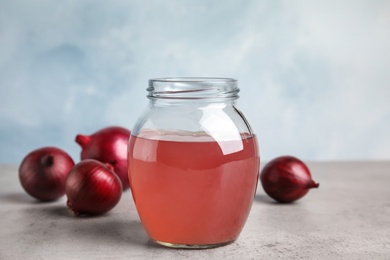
[193, 163]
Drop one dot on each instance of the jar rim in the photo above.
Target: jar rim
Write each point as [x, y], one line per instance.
[193, 88]
[193, 79]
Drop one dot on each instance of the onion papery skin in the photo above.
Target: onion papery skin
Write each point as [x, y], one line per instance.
[108, 145]
[92, 188]
[43, 172]
[286, 179]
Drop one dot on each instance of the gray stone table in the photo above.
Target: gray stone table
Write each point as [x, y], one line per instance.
[348, 217]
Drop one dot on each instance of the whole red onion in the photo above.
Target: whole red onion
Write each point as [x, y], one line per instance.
[286, 179]
[92, 188]
[43, 172]
[108, 145]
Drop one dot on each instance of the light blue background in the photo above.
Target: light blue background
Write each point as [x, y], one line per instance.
[314, 75]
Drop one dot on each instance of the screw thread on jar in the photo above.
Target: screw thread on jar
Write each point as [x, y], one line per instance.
[193, 88]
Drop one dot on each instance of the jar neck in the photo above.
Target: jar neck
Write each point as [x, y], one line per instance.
[178, 90]
[165, 102]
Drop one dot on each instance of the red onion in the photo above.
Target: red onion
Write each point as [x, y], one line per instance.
[43, 172]
[92, 188]
[108, 145]
[286, 179]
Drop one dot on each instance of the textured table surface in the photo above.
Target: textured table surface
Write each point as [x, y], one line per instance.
[348, 217]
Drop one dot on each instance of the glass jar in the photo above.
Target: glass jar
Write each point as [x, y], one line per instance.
[193, 163]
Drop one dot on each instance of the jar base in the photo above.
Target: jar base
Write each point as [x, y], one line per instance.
[191, 246]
